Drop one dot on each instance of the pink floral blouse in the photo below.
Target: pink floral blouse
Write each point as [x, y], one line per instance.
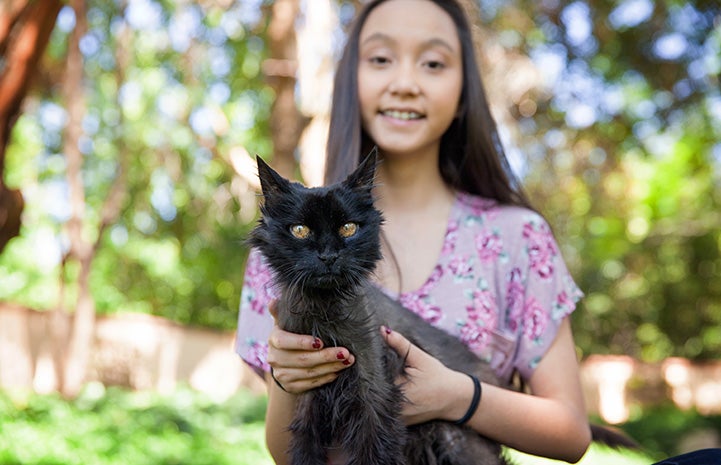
[500, 286]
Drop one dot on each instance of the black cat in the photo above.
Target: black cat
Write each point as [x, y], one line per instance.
[322, 245]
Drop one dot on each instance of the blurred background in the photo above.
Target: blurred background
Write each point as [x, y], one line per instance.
[127, 135]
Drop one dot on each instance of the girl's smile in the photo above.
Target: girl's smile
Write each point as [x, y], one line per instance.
[401, 119]
[405, 115]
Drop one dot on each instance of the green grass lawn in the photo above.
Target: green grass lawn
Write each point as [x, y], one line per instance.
[104, 427]
[121, 427]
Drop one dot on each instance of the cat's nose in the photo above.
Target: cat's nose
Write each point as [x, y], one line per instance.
[328, 257]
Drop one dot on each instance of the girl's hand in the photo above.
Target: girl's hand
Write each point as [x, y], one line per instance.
[433, 390]
[300, 363]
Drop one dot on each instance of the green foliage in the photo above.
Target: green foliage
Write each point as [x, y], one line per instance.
[628, 130]
[170, 90]
[122, 427]
[663, 428]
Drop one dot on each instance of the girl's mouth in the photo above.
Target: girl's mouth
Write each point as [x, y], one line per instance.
[402, 115]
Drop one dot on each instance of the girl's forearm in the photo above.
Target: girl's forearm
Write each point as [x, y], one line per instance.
[279, 414]
[531, 424]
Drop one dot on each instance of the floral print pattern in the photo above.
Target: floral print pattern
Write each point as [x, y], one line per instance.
[500, 285]
[489, 246]
[541, 248]
[257, 289]
[475, 336]
[258, 354]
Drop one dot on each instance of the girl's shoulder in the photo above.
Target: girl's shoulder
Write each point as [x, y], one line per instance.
[480, 212]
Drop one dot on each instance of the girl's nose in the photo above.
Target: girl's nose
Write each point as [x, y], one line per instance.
[404, 81]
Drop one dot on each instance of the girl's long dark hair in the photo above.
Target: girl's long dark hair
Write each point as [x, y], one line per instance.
[471, 155]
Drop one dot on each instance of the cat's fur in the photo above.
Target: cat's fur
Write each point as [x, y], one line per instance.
[325, 288]
[326, 292]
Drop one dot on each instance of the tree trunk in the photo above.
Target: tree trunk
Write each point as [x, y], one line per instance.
[286, 122]
[80, 250]
[74, 348]
[315, 84]
[25, 28]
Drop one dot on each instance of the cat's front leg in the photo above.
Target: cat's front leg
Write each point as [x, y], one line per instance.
[375, 433]
[305, 450]
[308, 445]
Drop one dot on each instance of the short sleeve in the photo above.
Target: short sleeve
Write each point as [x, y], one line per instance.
[254, 321]
[541, 293]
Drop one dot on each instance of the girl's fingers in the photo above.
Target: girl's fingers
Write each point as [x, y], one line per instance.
[312, 363]
[298, 380]
[300, 362]
[298, 386]
[397, 342]
[284, 340]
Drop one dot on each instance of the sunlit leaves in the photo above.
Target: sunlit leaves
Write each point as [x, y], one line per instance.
[628, 108]
[170, 88]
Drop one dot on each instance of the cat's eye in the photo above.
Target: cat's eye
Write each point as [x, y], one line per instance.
[348, 230]
[300, 231]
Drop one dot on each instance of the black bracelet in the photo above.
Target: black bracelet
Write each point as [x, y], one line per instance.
[276, 381]
[474, 402]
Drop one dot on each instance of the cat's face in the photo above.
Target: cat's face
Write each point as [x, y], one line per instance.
[319, 238]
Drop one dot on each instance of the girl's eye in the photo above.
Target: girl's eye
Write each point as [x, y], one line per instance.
[348, 230]
[379, 60]
[435, 65]
[300, 231]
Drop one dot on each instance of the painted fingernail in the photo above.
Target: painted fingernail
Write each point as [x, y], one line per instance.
[340, 356]
[316, 343]
[388, 330]
[346, 362]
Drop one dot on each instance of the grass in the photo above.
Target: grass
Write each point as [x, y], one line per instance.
[104, 427]
[120, 427]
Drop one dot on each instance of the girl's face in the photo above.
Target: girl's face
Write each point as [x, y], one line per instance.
[410, 75]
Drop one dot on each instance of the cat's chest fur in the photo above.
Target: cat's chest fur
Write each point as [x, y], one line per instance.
[338, 320]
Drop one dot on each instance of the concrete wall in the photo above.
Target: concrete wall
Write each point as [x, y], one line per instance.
[134, 350]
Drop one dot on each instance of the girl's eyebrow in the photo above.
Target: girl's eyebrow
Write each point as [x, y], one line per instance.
[433, 41]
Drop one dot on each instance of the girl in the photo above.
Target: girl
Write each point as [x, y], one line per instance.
[462, 246]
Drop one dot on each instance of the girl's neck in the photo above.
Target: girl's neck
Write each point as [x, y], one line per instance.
[409, 183]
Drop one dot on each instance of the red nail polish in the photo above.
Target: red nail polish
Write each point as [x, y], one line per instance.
[316, 343]
[346, 362]
[388, 330]
[340, 356]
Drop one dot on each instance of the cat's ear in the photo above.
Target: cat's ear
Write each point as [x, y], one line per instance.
[364, 175]
[270, 181]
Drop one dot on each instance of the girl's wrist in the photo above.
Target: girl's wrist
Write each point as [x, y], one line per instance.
[475, 401]
[459, 394]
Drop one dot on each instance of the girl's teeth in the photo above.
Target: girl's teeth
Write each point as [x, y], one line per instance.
[404, 115]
